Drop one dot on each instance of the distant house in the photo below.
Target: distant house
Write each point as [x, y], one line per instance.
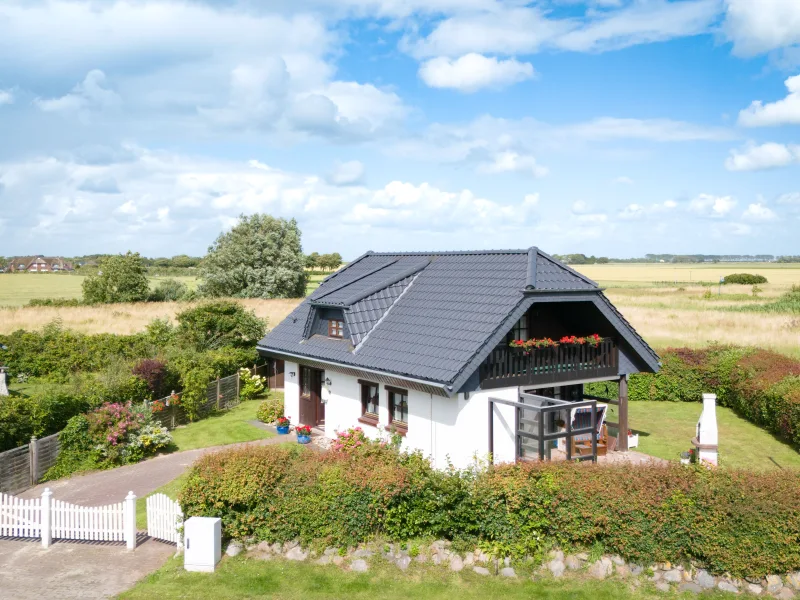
[421, 344]
[38, 264]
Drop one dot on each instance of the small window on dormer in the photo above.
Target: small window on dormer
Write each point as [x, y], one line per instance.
[335, 328]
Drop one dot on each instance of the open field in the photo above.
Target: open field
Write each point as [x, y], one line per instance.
[666, 314]
[16, 289]
[782, 273]
[122, 318]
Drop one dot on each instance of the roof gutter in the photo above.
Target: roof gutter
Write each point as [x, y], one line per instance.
[447, 388]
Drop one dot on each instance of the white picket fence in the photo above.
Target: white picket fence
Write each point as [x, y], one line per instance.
[50, 519]
[164, 519]
[20, 518]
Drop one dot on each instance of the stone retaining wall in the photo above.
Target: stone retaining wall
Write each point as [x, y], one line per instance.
[664, 576]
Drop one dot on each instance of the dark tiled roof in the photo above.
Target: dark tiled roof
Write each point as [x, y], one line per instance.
[423, 315]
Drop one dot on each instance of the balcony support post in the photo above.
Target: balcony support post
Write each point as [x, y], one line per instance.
[622, 436]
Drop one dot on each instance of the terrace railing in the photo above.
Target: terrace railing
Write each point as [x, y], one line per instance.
[507, 367]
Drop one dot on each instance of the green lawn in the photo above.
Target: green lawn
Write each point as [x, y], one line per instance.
[240, 578]
[667, 428]
[228, 427]
[16, 289]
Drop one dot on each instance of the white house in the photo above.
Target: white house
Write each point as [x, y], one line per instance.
[420, 344]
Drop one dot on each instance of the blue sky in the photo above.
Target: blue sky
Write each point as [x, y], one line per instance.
[610, 127]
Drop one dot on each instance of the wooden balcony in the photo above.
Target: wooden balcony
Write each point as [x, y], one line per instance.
[507, 367]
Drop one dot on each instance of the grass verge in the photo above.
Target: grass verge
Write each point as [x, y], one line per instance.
[667, 428]
[241, 577]
[229, 427]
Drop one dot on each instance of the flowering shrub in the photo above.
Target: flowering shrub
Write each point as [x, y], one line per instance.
[150, 438]
[111, 435]
[270, 410]
[350, 440]
[303, 430]
[250, 386]
[157, 406]
[589, 340]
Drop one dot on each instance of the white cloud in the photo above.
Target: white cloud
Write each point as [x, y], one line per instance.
[90, 94]
[580, 207]
[712, 206]
[347, 173]
[782, 112]
[766, 156]
[425, 207]
[623, 180]
[759, 212]
[511, 162]
[511, 29]
[757, 26]
[791, 199]
[658, 130]
[6, 97]
[472, 72]
[163, 195]
[635, 211]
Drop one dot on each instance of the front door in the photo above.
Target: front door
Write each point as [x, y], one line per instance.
[312, 410]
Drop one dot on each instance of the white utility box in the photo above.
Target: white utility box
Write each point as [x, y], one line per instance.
[203, 543]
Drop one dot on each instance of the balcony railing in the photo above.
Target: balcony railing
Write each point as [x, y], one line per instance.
[506, 367]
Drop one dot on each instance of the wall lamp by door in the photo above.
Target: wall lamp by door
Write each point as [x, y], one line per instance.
[291, 373]
[327, 381]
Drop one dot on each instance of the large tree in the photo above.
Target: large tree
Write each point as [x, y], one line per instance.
[261, 257]
[121, 278]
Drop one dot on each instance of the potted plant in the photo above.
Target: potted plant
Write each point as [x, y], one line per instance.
[686, 457]
[303, 434]
[283, 425]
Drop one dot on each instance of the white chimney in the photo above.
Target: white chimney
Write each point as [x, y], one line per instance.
[707, 439]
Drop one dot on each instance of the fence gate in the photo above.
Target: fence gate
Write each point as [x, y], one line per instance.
[164, 519]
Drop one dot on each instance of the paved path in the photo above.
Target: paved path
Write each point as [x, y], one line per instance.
[105, 487]
[93, 570]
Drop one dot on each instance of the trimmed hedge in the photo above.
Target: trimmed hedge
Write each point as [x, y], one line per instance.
[760, 385]
[747, 524]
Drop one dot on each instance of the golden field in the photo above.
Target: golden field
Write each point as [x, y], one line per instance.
[664, 312]
[122, 318]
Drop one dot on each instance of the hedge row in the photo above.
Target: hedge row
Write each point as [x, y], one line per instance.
[747, 524]
[760, 385]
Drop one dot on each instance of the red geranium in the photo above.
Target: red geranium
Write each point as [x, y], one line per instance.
[303, 430]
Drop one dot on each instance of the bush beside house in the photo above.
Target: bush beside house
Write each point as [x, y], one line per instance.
[746, 524]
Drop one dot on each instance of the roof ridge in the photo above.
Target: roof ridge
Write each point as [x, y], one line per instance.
[452, 252]
[567, 268]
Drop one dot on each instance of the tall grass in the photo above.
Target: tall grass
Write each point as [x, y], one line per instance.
[123, 318]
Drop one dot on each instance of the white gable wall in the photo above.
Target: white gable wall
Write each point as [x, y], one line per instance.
[445, 429]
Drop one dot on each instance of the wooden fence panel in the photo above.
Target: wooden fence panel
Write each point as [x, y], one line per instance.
[15, 472]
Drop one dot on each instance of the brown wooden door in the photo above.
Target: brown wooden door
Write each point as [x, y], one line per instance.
[312, 410]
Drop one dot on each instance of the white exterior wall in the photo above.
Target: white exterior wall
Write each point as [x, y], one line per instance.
[444, 429]
[291, 391]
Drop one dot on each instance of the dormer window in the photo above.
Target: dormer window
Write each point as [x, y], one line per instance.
[335, 328]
